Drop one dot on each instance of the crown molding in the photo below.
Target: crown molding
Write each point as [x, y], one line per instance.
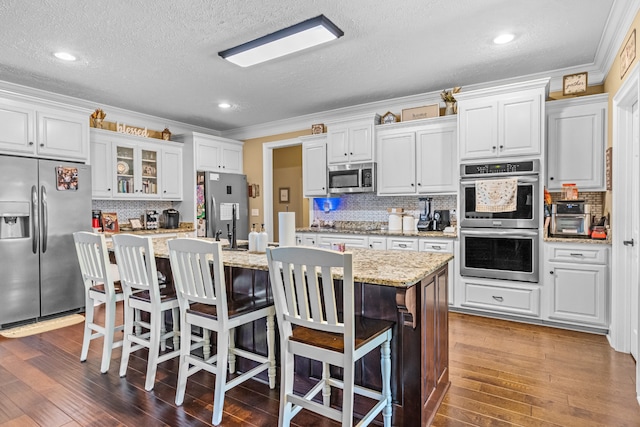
[618, 24]
[16, 91]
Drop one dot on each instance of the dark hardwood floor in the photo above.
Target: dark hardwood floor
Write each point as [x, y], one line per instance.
[502, 374]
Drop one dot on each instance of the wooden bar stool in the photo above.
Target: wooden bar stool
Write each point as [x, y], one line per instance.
[308, 313]
[102, 287]
[139, 276]
[204, 304]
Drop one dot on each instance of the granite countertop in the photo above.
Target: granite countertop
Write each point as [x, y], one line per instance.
[377, 232]
[181, 229]
[578, 240]
[389, 268]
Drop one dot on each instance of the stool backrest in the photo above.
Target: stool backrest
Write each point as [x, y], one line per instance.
[137, 265]
[191, 261]
[303, 289]
[93, 258]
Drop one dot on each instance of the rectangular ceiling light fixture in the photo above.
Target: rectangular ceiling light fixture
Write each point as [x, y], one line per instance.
[309, 33]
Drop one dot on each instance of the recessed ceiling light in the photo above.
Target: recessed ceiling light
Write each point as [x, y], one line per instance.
[64, 56]
[224, 105]
[503, 38]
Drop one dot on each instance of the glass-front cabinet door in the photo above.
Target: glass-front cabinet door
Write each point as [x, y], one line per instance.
[149, 172]
[136, 171]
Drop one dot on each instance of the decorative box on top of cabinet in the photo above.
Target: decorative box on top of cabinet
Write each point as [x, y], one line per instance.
[351, 140]
[314, 165]
[576, 142]
[577, 280]
[43, 130]
[418, 157]
[214, 153]
[504, 121]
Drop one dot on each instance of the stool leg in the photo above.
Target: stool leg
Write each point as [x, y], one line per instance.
[221, 376]
[271, 354]
[326, 390]
[175, 313]
[155, 322]
[232, 347]
[206, 348]
[286, 387]
[88, 320]
[109, 326]
[126, 341]
[347, 394]
[385, 364]
[185, 351]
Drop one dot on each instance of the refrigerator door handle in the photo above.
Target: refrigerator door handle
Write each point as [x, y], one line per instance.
[45, 218]
[213, 212]
[35, 229]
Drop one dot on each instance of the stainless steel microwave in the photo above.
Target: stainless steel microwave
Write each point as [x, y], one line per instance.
[352, 178]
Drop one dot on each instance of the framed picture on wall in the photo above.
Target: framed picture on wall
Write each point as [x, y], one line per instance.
[284, 194]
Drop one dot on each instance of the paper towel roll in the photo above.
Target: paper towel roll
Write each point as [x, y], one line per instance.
[287, 228]
[395, 222]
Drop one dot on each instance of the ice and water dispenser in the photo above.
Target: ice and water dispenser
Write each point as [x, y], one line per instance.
[14, 220]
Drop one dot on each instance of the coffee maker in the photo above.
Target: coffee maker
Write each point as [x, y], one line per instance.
[441, 219]
[170, 218]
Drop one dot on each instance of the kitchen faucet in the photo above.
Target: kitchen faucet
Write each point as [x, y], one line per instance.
[233, 242]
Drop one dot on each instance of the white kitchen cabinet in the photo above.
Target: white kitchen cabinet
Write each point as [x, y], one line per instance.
[350, 240]
[576, 142]
[306, 239]
[433, 244]
[506, 121]
[133, 167]
[577, 278]
[501, 296]
[351, 141]
[101, 168]
[214, 153]
[44, 131]
[314, 165]
[171, 173]
[417, 158]
[402, 243]
[377, 243]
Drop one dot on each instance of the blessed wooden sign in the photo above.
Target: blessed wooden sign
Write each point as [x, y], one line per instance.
[131, 130]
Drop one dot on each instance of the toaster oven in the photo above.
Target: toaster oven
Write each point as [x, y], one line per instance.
[571, 218]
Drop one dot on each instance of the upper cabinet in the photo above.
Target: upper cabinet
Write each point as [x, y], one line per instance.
[214, 153]
[505, 121]
[351, 141]
[417, 157]
[41, 130]
[132, 167]
[314, 165]
[576, 130]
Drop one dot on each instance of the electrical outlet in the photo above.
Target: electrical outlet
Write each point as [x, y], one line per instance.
[255, 212]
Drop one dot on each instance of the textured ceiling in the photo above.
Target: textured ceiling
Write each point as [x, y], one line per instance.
[160, 57]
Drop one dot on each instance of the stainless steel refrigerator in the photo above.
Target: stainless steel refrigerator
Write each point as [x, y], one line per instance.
[42, 202]
[218, 192]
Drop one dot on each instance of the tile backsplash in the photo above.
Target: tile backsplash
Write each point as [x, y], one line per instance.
[594, 198]
[371, 208]
[127, 209]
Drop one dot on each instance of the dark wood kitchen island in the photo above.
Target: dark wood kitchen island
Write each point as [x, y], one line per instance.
[409, 288]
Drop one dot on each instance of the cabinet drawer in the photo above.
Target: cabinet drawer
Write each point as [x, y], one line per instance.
[518, 300]
[377, 243]
[404, 244]
[583, 254]
[434, 245]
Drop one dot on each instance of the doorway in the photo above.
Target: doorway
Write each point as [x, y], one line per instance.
[287, 186]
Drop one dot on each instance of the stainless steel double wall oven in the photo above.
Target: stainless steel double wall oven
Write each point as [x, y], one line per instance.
[501, 245]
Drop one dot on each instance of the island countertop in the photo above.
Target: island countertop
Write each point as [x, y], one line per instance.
[390, 268]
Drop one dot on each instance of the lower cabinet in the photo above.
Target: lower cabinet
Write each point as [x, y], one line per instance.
[402, 243]
[502, 296]
[306, 239]
[577, 282]
[350, 240]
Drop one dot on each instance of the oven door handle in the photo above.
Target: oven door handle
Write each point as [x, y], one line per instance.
[489, 233]
[521, 179]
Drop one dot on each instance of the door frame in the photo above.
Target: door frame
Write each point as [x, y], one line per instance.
[620, 330]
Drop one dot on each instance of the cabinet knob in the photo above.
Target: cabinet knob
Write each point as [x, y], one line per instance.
[164, 191]
[41, 145]
[108, 189]
[501, 147]
[345, 154]
[30, 142]
[223, 166]
[550, 178]
[351, 154]
[419, 184]
[412, 184]
[323, 188]
[371, 245]
[551, 272]
[493, 148]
